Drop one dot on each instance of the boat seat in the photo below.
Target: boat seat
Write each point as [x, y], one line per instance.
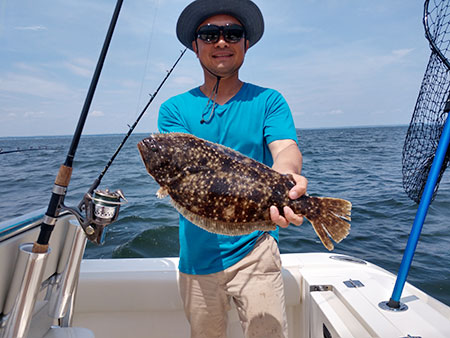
[69, 332]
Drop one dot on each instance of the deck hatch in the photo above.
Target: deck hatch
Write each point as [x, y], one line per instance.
[353, 283]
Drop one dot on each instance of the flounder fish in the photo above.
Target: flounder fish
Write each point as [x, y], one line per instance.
[226, 192]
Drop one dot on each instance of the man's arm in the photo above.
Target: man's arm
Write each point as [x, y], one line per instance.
[287, 159]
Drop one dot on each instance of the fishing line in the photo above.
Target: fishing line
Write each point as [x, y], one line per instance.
[147, 57]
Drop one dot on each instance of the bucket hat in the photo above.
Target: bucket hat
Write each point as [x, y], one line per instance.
[198, 11]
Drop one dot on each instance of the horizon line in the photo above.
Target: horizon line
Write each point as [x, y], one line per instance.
[124, 133]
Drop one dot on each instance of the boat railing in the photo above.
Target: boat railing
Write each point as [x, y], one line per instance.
[16, 226]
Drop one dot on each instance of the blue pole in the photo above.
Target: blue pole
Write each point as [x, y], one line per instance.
[422, 210]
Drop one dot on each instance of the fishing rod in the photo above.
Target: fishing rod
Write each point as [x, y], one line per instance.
[65, 171]
[152, 97]
[102, 206]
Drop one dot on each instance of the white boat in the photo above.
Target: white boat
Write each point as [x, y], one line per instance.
[327, 295]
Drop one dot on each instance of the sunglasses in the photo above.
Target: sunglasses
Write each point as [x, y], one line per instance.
[211, 33]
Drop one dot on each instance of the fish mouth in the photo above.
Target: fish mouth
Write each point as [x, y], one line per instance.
[148, 145]
[142, 147]
[147, 149]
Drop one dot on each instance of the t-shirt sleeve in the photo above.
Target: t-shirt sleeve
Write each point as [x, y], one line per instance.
[170, 119]
[279, 124]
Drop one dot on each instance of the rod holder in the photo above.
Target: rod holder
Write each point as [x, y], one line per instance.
[68, 271]
[19, 305]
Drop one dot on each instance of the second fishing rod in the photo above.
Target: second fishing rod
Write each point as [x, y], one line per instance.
[101, 207]
[152, 97]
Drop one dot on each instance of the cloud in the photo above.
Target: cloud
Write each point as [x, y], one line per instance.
[36, 86]
[26, 67]
[399, 53]
[21, 115]
[389, 58]
[31, 28]
[335, 112]
[97, 113]
[81, 66]
[329, 113]
[33, 114]
[130, 84]
[11, 115]
[298, 113]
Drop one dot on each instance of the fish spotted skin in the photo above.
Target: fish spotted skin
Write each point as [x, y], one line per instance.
[226, 192]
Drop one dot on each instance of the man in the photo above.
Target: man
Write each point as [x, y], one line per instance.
[256, 122]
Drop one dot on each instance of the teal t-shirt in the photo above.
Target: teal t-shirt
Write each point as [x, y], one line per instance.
[248, 122]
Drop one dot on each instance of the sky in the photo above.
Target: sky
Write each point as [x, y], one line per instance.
[338, 63]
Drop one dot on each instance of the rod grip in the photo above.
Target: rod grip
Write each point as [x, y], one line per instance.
[61, 182]
[63, 177]
[39, 248]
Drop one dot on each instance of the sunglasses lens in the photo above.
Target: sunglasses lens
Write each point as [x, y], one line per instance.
[233, 33]
[211, 33]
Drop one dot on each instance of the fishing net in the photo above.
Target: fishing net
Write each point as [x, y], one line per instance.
[432, 106]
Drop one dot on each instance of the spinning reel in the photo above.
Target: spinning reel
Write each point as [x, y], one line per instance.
[101, 209]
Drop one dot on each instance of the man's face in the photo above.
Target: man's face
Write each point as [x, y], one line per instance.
[222, 58]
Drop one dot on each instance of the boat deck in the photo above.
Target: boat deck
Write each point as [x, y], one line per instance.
[325, 297]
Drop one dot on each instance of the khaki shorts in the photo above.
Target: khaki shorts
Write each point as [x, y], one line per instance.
[254, 284]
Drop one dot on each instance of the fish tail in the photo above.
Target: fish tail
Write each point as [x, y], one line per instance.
[329, 217]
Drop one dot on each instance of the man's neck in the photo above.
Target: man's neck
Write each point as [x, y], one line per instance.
[228, 87]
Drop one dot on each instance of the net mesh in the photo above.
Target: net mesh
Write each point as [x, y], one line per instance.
[432, 106]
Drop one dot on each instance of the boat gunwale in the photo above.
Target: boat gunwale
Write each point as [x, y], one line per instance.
[18, 225]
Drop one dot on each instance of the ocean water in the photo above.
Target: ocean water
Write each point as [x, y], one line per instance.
[362, 165]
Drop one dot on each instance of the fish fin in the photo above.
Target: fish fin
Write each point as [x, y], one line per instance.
[223, 228]
[162, 192]
[330, 217]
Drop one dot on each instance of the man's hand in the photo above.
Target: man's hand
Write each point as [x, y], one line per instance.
[289, 216]
[287, 159]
